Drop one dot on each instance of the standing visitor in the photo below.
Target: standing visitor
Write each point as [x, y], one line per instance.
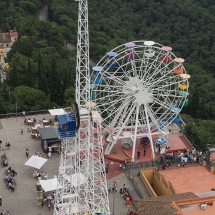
[138, 154]
[42, 203]
[22, 128]
[124, 188]
[49, 205]
[144, 152]
[49, 154]
[27, 152]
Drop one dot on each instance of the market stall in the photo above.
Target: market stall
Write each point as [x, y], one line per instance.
[49, 139]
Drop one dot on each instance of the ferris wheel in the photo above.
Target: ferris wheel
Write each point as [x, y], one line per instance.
[138, 88]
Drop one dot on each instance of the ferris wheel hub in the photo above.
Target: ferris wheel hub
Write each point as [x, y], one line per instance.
[143, 97]
[135, 88]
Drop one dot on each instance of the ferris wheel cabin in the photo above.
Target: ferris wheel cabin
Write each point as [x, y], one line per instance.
[130, 54]
[184, 101]
[166, 58]
[178, 67]
[67, 126]
[111, 63]
[149, 51]
[96, 77]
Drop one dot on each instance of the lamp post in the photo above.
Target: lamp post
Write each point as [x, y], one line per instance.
[16, 106]
[114, 194]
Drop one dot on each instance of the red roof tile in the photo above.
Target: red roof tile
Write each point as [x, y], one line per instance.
[161, 205]
[5, 37]
[14, 34]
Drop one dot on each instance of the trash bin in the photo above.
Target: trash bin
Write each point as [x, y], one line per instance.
[204, 163]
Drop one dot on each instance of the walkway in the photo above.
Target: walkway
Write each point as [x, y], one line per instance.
[23, 200]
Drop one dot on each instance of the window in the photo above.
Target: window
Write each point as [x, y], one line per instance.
[65, 126]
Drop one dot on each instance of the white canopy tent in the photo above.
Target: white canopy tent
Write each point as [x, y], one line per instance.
[35, 161]
[49, 185]
[57, 112]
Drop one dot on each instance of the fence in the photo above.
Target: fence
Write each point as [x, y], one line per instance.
[18, 114]
[156, 163]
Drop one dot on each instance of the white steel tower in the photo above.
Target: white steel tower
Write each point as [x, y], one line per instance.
[82, 187]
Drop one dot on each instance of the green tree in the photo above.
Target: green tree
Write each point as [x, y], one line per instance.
[55, 83]
[28, 98]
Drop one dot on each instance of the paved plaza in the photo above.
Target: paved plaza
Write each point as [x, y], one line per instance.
[23, 200]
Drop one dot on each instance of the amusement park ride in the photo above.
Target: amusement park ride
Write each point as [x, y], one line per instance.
[133, 93]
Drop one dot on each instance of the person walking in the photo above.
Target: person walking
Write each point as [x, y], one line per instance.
[49, 155]
[22, 128]
[27, 152]
[106, 169]
[49, 205]
[124, 188]
[144, 152]
[52, 202]
[42, 203]
[138, 154]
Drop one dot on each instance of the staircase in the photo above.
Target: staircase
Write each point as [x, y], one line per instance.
[140, 188]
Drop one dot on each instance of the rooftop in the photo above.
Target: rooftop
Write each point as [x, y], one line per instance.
[194, 179]
[14, 34]
[48, 133]
[5, 37]
[193, 206]
[162, 205]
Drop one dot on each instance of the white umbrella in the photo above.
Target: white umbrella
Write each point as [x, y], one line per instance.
[51, 184]
[36, 162]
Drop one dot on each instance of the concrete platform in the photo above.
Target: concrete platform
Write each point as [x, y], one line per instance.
[176, 142]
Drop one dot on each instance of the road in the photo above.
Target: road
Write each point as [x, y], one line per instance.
[43, 15]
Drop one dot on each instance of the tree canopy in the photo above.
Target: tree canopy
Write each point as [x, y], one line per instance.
[40, 60]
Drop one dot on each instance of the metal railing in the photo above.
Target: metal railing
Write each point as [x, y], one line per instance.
[155, 163]
[20, 114]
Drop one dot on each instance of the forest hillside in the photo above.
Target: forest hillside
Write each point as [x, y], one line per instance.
[40, 57]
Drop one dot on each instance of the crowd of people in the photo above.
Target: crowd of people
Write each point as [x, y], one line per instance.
[9, 179]
[181, 158]
[49, 200]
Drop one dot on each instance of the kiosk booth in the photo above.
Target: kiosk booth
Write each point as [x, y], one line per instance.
[49, 138]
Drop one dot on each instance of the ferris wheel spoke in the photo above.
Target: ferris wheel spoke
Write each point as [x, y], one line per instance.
[166, 81]
[165, 85]
[121, 112]
[160, 69]
[108, 100]
[163, 104]
[155, 60]
[114, 105]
